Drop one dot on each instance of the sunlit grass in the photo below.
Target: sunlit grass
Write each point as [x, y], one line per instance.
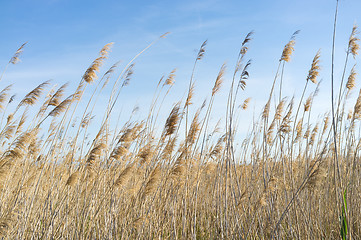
[193, 179]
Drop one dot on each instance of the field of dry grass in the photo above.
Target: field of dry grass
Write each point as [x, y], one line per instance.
[289, 178]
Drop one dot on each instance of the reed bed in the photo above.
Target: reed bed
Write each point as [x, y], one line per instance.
[191, 180]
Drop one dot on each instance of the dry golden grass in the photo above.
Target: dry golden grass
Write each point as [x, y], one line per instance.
[191, 181]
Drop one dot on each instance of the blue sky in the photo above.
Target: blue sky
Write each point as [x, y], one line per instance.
[64, 37]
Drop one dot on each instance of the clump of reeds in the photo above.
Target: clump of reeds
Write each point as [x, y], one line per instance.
[69, 176]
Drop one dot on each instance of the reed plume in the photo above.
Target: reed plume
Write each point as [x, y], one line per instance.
[15, 59]
[55, 99]
[170, 79]
[202, 50]
[3, 95]
[94, 154]
[353, 43]
[119, 152]
[124, 175]
[219, 80]
[289, 48]
[244, 76]
[308, 103]
[73, 178]
[245, 42]
[316, 175]
[152, 182]
[90, 73]
[32, 97]
[315, 68]
[128, 74]
[194, 129]
[245, 103]
[189, 96]
[351, 79]
[172, 121]
[61, 107]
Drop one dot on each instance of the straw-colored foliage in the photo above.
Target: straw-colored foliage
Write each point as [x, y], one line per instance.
[190, 180]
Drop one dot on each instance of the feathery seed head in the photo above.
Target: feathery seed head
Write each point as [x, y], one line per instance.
[357, 107]
[299, 129]
[286, 121]
[62, 106]
[90, 73]
[244, 76]
[3, 95]
[129, 73]
[244, 47]
[326, 122]
[124, 175]
[266, 110]
[145, 154]
[315, 68]
[218, 147]
[219, 80]
[105, 50]
[172, 121]
[316, 175]
[94, 153]
[202, 50]
[194, 129]
[287, 51]
[189, 96]
[170, 80]
[313, 135]
[15, 59]
[279, 109]
[351, 79]
[244, 106]
[32, 97]
[289, 48]
[308, 103]
[353, 43]
[118, 152]
[168, 149]
[12, 98]
[55, 99]
[152, 182]
[72, 179]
